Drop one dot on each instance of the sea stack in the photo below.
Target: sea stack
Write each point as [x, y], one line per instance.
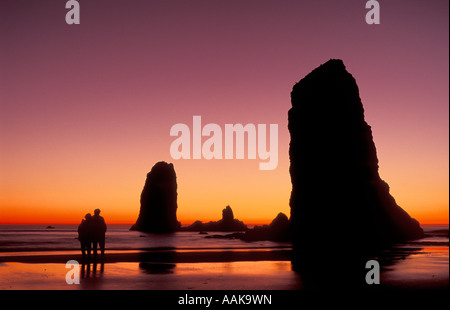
[227, 223]
[338, 200]
[158, 212]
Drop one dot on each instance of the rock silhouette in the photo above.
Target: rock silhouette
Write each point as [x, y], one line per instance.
[277, 230]
[338, 198]
[227, 216]
[227, 223]
[158, 212]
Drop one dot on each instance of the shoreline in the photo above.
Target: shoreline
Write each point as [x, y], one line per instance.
[187, 261]
[166, 256]
[231, 269]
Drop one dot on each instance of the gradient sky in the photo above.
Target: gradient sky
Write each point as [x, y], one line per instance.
[86, 110]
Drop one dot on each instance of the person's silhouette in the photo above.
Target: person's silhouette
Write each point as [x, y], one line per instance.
[85, 235]
[98, 232]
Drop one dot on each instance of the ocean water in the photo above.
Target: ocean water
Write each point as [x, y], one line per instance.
[32, 238]
[420, 264]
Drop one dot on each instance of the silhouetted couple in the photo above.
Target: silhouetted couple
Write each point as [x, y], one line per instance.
[91, 233]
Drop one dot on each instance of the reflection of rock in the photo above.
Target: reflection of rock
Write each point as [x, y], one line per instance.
[157, 268]
[227, 223]
[337, 194]
[158, 213]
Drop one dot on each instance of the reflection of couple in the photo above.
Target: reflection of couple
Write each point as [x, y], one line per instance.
[91, 232]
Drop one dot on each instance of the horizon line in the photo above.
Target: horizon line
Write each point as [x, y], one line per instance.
[183, 224]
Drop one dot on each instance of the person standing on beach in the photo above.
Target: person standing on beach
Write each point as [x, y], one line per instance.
[98, 232]
[85, 235]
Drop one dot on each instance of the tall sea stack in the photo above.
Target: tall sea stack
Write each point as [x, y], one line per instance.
[158, 213]
[338, 200]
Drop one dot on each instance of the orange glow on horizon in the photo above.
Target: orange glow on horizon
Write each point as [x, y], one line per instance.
[256, 197]
[49, 216]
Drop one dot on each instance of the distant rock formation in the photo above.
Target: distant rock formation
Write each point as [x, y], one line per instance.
[158, 212]
[277, 230]
[227, 216]
[338, 198]
[227, 223]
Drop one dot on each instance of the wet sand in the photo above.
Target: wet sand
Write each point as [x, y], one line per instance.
[207, 269]
[262, 275]
[155, 270]
[427, 268]
[168, 256]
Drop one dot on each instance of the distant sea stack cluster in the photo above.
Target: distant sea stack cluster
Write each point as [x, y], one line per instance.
[337, 194]
[158, 212]
[227, 223]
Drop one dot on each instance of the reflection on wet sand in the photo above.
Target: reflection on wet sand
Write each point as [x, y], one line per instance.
[401, 267]
[262, 275]
[425, 268]
[91, 276]
[87, 272]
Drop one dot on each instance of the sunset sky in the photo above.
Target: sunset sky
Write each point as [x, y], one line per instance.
[86, 110]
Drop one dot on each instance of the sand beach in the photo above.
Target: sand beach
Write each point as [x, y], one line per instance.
[202, 264]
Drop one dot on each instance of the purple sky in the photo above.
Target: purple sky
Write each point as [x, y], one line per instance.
[85, 110]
